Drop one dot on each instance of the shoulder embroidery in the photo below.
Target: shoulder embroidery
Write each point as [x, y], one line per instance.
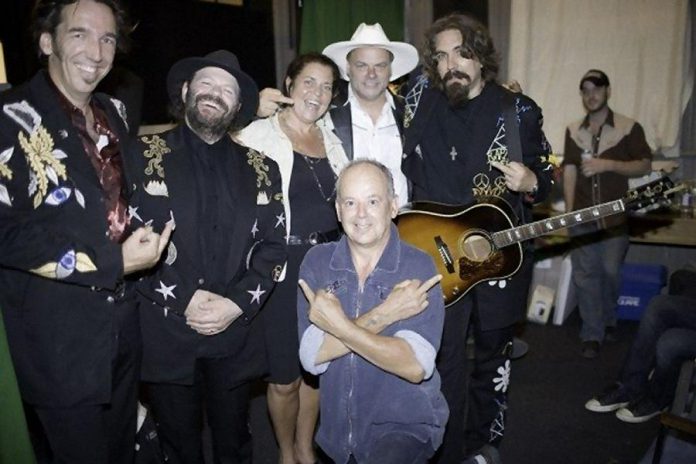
[413, 99]
[44, 162]
[157, 148]
[23, 114]
[258, 162]
[121, 109]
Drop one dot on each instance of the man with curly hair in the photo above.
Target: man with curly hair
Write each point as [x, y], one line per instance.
[459, 149]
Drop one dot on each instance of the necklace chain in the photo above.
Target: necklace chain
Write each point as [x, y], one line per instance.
[310, 164]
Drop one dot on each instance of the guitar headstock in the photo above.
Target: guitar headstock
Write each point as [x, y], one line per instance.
[657, 191]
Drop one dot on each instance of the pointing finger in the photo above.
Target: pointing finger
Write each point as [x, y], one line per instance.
[308, 293]
[430, 283]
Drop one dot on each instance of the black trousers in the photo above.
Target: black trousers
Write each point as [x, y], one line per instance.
[89, 434]
[475, 389]
[178, 411]
[488, 384]
[453, 366]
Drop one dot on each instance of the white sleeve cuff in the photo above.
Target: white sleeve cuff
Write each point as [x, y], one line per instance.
[311, 342]
[425, 352]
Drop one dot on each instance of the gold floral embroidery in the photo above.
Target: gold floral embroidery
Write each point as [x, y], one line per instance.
[5, 170]
[483, 187]
[278, 196]
[552, 159]
[257, 160]
[158, 148]
[43, 160]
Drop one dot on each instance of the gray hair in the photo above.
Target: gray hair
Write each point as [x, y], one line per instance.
[370, 162]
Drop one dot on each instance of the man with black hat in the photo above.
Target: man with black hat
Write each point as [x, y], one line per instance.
[227, 252]
[606, 148]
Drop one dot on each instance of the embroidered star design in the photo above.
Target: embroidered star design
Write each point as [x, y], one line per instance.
[256, 294]
[255, 228]
[281, 220]
[166, 291]
[133, 213]
[453, 153]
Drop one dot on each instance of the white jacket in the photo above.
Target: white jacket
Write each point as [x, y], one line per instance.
[266, 136]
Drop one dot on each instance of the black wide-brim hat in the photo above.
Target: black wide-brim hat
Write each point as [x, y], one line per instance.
[183, 70]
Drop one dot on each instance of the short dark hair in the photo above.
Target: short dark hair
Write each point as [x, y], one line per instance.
[47, 17]
[298, 64]
[476, 44]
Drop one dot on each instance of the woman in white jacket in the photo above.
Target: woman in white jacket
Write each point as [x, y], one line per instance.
[300, 139]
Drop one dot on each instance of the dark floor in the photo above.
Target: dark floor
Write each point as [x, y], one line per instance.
[547, 421]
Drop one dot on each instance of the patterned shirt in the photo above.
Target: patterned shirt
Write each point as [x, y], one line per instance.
[105, 156]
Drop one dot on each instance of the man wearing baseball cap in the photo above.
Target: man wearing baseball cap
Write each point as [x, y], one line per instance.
[199, 306]
[601, 152]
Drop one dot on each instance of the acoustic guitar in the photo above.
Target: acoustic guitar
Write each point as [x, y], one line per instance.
[479, 242]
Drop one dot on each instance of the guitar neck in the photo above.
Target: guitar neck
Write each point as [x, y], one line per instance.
[536, 229]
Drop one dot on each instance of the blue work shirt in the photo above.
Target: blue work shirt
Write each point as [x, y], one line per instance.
[359, 401]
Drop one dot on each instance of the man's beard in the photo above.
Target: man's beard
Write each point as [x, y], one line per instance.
[457, 92]
[208, 127]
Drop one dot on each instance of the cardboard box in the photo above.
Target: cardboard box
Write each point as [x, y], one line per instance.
[556, 274]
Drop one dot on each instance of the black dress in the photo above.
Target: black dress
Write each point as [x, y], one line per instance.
[312, 195]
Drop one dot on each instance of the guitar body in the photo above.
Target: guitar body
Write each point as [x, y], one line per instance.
[458, 238]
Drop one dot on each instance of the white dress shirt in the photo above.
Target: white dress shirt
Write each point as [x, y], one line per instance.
[380, 142]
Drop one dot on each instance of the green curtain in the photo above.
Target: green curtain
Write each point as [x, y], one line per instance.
[14, 438]
[328, 21]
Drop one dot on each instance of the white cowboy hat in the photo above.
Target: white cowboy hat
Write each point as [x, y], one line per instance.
[405, 55]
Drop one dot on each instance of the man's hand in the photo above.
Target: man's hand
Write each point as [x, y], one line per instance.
[199, 296]
[592, 166]
[144, 247]
[406, 299]
[325, 310]
[212, 315]
[513, 86]
[518, 177]
[270, 100]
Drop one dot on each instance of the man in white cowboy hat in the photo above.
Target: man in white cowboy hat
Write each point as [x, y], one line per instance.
[369, 121]
[200, 345]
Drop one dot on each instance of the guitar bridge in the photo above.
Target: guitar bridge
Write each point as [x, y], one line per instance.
[445, 254]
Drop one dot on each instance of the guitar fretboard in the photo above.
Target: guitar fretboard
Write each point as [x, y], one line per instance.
[546, 226]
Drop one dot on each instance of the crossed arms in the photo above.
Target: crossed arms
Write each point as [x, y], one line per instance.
[342, 335]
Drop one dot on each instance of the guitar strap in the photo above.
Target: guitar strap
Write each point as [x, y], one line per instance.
[512, 140]
[512, 129]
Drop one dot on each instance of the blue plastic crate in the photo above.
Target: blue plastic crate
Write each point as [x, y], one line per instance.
[639, 284]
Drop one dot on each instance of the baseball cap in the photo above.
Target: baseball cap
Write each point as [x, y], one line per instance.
[595, 76]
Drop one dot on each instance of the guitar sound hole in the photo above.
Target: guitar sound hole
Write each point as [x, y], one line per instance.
[476, 247]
